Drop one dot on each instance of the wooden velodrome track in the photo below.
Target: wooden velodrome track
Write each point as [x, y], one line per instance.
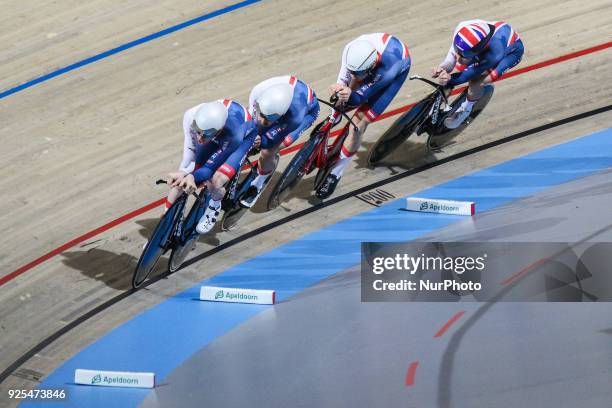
[85, 147]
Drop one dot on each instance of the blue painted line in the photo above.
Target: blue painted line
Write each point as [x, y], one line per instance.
[163, 337]
[127, 46]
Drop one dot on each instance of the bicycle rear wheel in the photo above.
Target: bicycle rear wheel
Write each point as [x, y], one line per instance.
[293, 173]
[397, 134]
[178, 254]
[156, 246]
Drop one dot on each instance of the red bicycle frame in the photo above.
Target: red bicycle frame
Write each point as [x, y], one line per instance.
[325, 153]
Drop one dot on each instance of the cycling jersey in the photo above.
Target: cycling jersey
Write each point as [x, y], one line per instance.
[203, 159]
[303, 111]
[504, 51]
[376, 91]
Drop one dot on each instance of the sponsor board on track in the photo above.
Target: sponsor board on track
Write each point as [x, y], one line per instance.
[433, 205]
[114, 378]
[236, 295]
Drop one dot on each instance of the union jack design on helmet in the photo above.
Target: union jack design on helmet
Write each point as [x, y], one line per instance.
[472, 38]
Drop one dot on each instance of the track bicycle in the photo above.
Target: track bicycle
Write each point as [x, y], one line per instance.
[427, 116]
[318, 152]
[176, 232]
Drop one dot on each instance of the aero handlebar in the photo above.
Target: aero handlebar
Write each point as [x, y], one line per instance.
[439, 88]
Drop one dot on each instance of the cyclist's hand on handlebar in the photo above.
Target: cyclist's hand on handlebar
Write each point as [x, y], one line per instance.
[436, 71]
[443, 78]
[188, 184]
[175, 178]
[334, 88]
[344, 95]
[255, 147]
[256, 143]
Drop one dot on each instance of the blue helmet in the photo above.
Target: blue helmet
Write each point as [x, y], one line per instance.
[471, 39]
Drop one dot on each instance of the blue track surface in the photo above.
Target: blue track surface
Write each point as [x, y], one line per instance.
[127, 46]
[164, 336]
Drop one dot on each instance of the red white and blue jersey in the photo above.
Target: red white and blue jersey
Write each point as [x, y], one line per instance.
[393, 61]
[303, 110]
[239, 122]
[501, 44]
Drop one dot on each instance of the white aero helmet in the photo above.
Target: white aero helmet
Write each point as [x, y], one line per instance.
[360, 56]
[210, 118]
[275, 101]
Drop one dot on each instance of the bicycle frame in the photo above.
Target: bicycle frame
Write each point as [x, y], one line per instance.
[179, 233]
[432, 119]
[232, 189]
[325, 151]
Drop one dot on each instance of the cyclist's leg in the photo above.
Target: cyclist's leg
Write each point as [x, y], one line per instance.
[216, 187]
[512, 58]
[267, 159]
[271, 148]
[217, 169]
[477, 84]
[365, 115]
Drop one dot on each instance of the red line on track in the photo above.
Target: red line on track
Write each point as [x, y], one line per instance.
[448, 324]
[411, 374]
[288, 150]
[523, 271]
[80, 239]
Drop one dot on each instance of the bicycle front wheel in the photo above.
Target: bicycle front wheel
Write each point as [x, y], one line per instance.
[153, 250]
[292, 174]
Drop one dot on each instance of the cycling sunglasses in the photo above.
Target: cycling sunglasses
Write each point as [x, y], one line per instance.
[205, 134]
[360, 74]
[269, 118]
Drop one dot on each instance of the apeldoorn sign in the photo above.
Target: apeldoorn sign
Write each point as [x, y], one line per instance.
[433, 205]
[114, 378]
[236, 295]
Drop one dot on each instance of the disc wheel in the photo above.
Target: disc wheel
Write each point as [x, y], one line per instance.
[398, 133]
[231, 216]
[179, 253]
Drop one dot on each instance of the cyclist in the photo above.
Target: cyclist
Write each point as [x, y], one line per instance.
[374, 68]
[482, 51]
[218, 136]
[284, 107]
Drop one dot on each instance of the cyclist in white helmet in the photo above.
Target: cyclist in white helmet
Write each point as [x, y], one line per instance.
[374, 68]
[217, 137]
[482, 51]
[284, 107]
